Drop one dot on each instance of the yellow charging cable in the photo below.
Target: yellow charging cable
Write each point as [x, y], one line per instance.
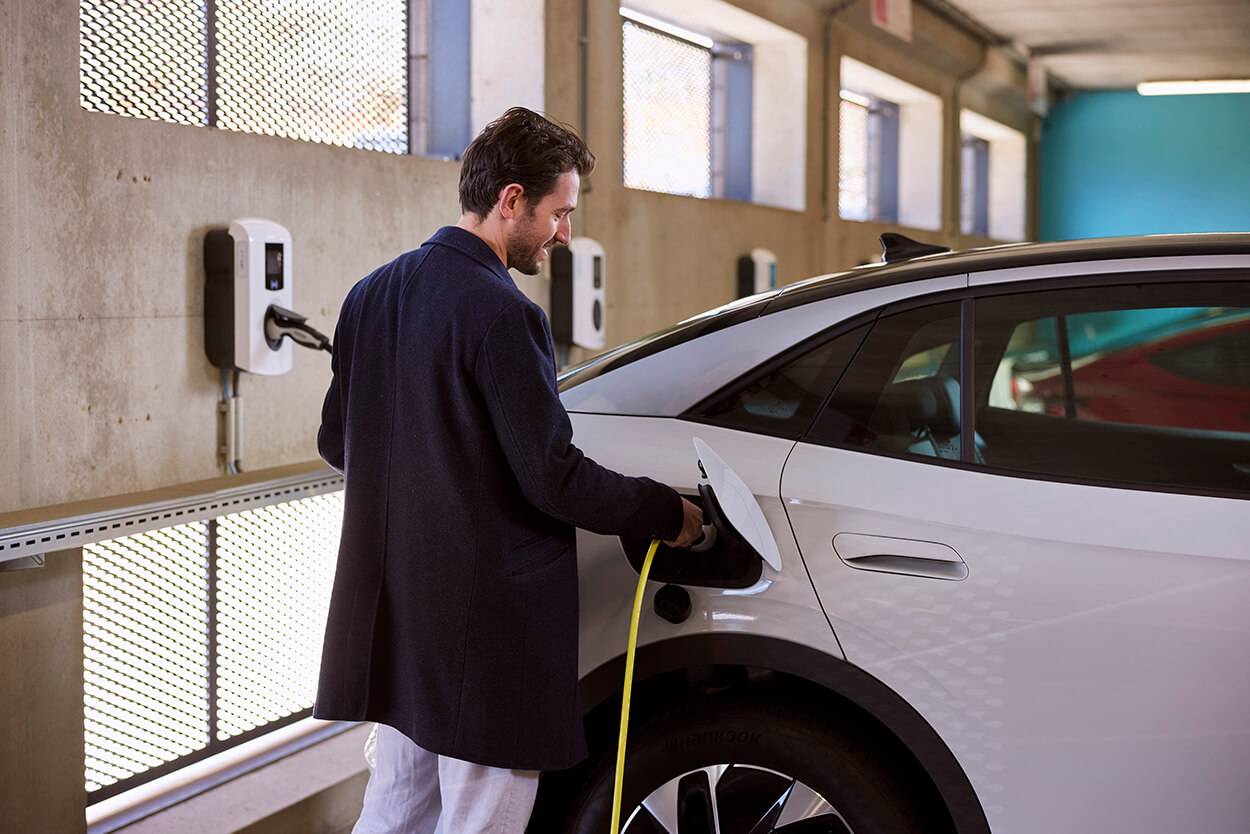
[629, 685]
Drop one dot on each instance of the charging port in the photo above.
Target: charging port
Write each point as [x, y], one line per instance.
[728, 563]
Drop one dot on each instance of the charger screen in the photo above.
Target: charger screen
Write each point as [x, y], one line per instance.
[273, 266]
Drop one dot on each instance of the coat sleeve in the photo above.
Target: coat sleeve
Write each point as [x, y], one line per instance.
[330, 435]
[515, 372]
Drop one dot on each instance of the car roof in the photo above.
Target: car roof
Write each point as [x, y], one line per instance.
[1005, 256]
[869, 276]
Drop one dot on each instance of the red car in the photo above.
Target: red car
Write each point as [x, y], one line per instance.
[1156, 383]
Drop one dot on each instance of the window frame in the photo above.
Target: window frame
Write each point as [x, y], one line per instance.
[731, 73]
[969, 378]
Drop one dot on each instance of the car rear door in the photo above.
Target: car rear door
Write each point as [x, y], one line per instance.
[1064, 598]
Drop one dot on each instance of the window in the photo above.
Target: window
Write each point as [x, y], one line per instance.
[992, 178]
[1145, 384]
[401, 76]
[782, 399]
[305, 71]
[890, 149]
[868, 175]
[713, 103]
[974, 201]
[298, 70]
[900, 394]
[668, 111]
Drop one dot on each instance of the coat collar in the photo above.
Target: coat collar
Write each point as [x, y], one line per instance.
[470, 244]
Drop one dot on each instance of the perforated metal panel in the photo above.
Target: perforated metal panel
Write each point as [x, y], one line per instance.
[322, 70]
[145, 58]
[275, 567]
[200, 636]
[145, 651]
[853, 201]
[668, 95]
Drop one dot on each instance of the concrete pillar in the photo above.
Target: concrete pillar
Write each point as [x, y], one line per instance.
[41, 690]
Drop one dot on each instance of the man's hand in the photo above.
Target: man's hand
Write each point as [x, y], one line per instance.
[691, 525]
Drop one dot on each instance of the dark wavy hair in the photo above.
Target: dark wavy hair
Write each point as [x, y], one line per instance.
[524, 147]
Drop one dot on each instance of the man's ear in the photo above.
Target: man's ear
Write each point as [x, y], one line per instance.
[511, 201]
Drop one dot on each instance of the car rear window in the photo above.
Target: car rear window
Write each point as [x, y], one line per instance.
[691, 328]
[782, 397]
[1140, 384]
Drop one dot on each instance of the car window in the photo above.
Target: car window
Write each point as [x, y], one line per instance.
[1215, 355]
[684, 331]
[782, 398]
[1144, 384]
[901, 393]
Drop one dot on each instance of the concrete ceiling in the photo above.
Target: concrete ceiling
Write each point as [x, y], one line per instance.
[1098, 44]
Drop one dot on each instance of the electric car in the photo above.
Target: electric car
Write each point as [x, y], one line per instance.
[979, 615]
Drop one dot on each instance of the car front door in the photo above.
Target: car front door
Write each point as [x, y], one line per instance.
[1062, 596]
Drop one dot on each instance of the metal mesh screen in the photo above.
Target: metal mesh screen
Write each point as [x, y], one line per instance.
[322, 70]
[668, 98]
[144, 58]
[145, 651]
[853, 199]
[199, 636]
[275, 567]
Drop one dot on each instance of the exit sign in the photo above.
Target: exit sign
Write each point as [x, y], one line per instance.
[894, 16]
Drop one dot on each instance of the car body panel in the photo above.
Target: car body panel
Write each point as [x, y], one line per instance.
[1096, 649]
[782, 604]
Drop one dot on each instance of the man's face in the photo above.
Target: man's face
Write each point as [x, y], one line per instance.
[543, 225]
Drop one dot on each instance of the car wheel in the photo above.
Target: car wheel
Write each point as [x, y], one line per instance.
[738, 765]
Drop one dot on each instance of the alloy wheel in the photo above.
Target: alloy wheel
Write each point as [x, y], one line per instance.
[735, 799]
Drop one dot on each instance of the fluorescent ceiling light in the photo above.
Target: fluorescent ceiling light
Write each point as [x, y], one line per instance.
[1192, 88]
[856, 98]
[667, 28]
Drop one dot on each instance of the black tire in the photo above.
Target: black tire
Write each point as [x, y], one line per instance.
[866, 783]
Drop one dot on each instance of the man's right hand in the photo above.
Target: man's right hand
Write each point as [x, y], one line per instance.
[691, 525]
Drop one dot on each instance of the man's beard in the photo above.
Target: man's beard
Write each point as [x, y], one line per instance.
[525, 246]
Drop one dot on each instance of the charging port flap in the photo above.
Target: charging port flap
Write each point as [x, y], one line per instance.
[741, 542]
[737, 503]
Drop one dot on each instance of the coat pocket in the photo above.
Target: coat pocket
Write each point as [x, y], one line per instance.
[535, 555]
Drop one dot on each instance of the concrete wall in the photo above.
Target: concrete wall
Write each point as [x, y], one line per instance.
[102, 219]
[41, 669]
[1117, 163]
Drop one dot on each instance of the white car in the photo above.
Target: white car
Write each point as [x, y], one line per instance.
[984, 616]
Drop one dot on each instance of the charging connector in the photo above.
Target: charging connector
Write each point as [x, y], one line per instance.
[281, 323]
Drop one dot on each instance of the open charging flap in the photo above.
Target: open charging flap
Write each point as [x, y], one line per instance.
[742, 542]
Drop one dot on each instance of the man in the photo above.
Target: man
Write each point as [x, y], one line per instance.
[453, 620]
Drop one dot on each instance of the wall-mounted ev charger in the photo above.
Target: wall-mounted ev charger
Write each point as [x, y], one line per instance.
[248, 292]
[247, 299]
[757, 272]
[579, 295]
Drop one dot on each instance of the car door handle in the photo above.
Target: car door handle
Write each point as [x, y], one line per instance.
[886, 554]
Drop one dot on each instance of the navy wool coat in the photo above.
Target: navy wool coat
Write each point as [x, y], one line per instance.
[454, 611]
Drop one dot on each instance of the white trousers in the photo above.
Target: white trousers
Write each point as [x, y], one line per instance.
[414, 791]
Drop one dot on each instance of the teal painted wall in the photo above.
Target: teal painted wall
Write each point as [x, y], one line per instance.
[1117, 163]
